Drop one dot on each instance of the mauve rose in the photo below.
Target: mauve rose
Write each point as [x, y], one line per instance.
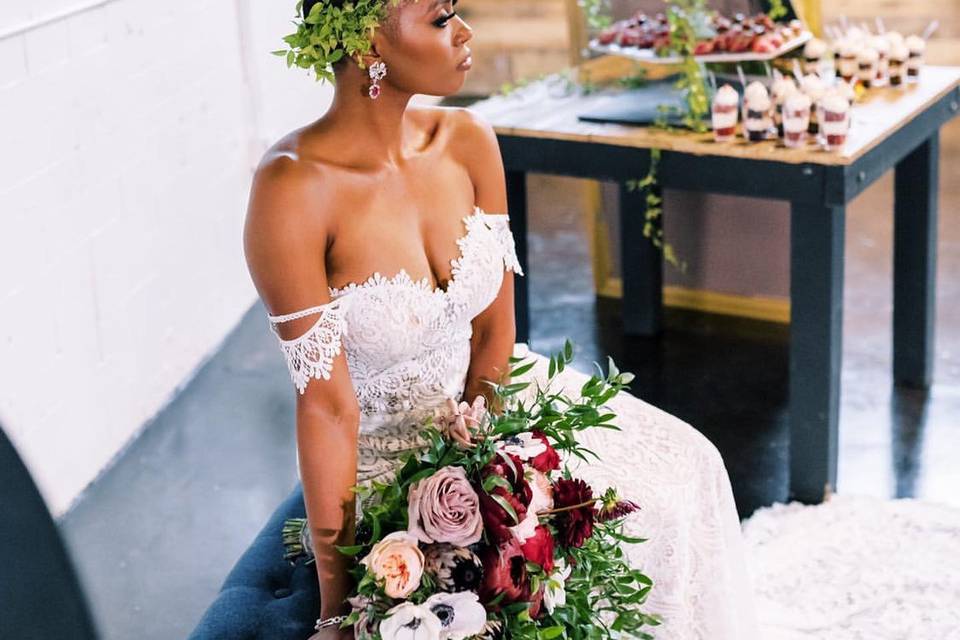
[549, 460]
[576, 525]
[504, 571]
[444, 507]
[539, 548]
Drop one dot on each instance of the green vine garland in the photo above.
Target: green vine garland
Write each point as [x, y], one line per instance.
[596, 12]
[331, 32]
[689, 21]
[653, 214]
[777, 10]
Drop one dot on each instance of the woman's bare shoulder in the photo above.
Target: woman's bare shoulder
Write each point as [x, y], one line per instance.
[472, 142]
[289, 182]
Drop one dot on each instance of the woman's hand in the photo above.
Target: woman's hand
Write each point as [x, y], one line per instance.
[333, 633]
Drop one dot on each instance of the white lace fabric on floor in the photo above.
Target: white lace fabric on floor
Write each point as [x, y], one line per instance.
[408, 349]
[857, 567]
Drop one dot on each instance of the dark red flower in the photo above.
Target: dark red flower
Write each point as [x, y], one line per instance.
[539, 548]
[504, 571]
[496, 519]
[549, 460]
[616, 510]
[575, 525]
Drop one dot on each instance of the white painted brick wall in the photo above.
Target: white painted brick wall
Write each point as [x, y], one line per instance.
[129, 130]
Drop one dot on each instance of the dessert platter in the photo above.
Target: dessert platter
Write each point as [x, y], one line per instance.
[741, 38]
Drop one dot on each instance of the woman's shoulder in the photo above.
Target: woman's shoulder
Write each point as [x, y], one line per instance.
[458, 122]
[470, 139]
[290, 187]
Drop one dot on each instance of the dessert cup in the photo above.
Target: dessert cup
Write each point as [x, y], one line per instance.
[917, 47]
[724, 113]
[796, 117]
[835, 121]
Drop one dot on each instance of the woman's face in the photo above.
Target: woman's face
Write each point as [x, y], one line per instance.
[424, 47]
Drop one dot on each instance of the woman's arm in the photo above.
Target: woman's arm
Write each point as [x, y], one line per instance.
[494, 334]
[285, 239]
[494, 329]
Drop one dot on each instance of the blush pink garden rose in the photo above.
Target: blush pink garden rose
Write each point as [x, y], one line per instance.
[398, 561]
[444, 507]
[457, 422]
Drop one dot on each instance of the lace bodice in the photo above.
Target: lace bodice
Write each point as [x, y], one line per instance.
[407, 343]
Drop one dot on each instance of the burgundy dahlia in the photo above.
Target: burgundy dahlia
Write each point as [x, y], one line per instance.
[575, 525]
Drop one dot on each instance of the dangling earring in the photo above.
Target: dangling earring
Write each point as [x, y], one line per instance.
[376, 71]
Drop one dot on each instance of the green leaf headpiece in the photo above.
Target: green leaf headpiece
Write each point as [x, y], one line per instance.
[332, 31]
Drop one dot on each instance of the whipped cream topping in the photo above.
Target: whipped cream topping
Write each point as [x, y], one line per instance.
[727, 96]
[815, 48]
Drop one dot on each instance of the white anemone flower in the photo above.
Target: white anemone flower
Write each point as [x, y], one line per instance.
[461, 614]
[408, 621]
[554, 592]
[523, 445]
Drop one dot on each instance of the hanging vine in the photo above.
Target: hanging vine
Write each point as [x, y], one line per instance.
[653, 212]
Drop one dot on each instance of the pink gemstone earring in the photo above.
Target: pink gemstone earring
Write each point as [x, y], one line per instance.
[376, 71]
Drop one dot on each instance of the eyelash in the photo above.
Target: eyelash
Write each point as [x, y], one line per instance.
[443, 20]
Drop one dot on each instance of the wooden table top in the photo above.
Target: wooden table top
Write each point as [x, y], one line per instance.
[536, 111]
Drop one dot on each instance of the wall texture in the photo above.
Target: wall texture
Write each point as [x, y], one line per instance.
[130, 129]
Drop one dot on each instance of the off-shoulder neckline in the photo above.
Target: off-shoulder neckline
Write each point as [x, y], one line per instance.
[403, 276]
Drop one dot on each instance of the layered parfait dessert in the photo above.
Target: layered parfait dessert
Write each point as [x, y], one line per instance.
[783, 87]
[725, 109]
[917, 47]
[835, 120]
[847, 60]
[757, 112]
[796, 119]
[813, 86]
[899, 54]
[881, 45]
[813, 53]
[867, 59]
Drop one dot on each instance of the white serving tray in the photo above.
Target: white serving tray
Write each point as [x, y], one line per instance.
[650, 55]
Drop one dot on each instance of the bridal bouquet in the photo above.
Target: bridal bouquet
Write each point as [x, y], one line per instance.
[486, 534]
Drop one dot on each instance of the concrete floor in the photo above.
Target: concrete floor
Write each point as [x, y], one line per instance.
[155, 536]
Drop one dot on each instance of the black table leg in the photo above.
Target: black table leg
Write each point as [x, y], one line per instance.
[641, 268]
[915, 264]
[517, 207]
[816, 323]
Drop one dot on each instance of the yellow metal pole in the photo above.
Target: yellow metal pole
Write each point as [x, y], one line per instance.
[811, 12]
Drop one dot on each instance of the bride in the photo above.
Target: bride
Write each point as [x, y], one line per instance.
[377, 237]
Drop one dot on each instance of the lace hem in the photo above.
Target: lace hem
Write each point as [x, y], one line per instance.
[509, 248]
[311, 354]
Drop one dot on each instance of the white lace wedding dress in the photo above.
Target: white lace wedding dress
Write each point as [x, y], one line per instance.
[407, 346]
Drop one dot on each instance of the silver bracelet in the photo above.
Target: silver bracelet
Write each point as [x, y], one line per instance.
[328, 622]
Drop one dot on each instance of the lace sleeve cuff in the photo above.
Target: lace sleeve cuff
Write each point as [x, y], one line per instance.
[502, 229]
[311, 354]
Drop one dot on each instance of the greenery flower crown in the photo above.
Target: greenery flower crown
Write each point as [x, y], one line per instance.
[331, 32]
